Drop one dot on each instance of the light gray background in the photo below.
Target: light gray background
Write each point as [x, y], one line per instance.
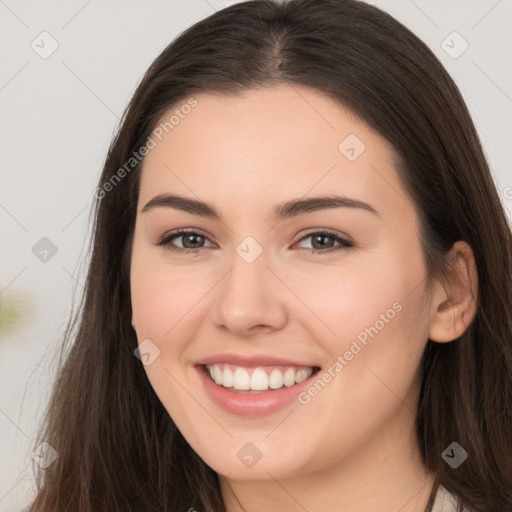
[59, 114]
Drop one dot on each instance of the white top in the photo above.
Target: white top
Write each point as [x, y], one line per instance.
[445, 501]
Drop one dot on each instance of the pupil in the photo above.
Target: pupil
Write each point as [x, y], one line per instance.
[190, 236]
[321, 237]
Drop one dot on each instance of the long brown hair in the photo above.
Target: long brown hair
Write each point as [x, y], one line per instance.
[118, 449]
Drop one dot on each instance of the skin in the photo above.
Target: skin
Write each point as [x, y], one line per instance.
[352, 447]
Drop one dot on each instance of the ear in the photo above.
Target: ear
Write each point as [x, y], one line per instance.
[454, 303]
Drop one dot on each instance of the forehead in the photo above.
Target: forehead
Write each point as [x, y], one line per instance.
[268, 145]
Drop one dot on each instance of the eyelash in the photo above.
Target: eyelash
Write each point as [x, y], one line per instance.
[165, 241]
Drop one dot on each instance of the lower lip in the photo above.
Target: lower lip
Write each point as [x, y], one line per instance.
[260, 404]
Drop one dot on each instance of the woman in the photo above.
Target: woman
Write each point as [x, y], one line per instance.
[300, 287]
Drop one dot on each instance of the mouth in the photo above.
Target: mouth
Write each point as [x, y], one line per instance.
[254, 385]
[258, 379]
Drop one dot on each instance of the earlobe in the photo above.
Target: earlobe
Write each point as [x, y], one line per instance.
[455, 303]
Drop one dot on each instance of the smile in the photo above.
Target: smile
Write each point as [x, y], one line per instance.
[256, 390]
[239, 378]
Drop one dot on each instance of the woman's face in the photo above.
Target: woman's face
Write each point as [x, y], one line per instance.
[267, 296]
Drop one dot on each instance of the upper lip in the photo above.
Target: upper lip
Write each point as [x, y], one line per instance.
[251, 361]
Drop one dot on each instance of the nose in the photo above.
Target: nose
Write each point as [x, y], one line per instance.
[250, 299]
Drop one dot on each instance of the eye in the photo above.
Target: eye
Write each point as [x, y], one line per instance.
[191, 239]
[320, 243]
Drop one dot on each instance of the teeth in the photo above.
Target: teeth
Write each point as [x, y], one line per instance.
[241, 380]
[228, 378]
[259, 380]
[301, 376]
[275, 380]
[289, 377]
[217, 375]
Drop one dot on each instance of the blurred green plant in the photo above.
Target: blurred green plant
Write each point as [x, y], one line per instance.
[12, 306]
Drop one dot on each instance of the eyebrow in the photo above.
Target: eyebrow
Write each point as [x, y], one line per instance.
[280, 212]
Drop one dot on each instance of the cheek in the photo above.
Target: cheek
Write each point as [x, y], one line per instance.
[154, 301]
[162, 300]
[340, 301]
[371, 313]
[383, 331]
[161, 294]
